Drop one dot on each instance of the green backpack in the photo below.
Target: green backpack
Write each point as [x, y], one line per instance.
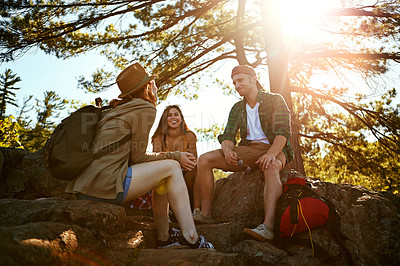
[68, 151]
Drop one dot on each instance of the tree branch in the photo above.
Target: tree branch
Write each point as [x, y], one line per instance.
[238, 38]
[196, 69]
[107, 3]
[351, 109]
[357, 12]
[338, 54]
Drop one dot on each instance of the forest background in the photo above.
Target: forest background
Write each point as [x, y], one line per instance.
[335, 63]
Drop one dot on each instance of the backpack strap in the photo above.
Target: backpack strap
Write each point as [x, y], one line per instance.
[294, 213]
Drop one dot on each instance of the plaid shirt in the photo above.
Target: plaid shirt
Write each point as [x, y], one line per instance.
[274, 117]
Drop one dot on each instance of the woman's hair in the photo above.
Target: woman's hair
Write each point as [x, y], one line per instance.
[162, 128]
[145, 94]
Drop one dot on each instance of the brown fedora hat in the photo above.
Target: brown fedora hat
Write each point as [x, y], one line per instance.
[132, 79]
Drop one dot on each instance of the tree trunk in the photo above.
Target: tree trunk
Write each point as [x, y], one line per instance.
[278, 68]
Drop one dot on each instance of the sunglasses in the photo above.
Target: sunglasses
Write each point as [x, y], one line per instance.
[241, 164]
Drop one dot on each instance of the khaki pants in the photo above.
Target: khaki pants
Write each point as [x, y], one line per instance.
[251, 153]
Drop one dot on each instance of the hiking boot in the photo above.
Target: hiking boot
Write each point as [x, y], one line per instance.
[174, 235]
[198, 217]
[201, 243]
[261, 232]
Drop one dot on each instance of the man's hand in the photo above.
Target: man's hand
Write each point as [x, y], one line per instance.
[188, 161]
[266, 160]
[231, 157]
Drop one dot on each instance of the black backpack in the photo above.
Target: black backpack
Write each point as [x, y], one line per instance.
[68, 151]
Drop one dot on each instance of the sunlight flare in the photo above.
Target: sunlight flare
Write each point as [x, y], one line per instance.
[303, 18]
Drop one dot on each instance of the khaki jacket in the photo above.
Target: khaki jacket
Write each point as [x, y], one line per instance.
[104, 176]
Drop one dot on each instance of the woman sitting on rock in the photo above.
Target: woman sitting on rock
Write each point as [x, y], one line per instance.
[129, 172]
[172, 134]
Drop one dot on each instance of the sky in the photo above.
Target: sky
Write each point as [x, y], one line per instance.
[40, 72]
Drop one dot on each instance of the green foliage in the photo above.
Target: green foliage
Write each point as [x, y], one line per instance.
[20, 132]
[178, 40]
[35, 138]
[348, 153]
[210, 133]
[9, 133]
[7, 96]
[372, 169]
[218, 174]
[23, 117]
[101, 79]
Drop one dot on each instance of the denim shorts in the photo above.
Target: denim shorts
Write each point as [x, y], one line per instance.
[120, 196]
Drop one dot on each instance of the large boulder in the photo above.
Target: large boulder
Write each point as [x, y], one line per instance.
[370, 220]
[87, 214]
[23, 176]
[41, 225]
[44, 243]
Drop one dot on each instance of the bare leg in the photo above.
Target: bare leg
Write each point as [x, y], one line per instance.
[190, 177]
[272, 192]
[146, 175]
[197, 192]
[204, 183]
[160, 208]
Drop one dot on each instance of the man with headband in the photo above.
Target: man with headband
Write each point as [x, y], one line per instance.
[263, 120]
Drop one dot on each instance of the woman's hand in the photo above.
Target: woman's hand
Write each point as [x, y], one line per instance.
[188, 161]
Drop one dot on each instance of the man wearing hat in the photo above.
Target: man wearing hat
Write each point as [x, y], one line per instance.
[263, 120]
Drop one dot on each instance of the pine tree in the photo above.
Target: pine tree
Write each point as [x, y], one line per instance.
[46, 110]
[347, 152]
[181, 40]
[7, 86]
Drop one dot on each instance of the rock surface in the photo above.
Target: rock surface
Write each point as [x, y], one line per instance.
[41, 225]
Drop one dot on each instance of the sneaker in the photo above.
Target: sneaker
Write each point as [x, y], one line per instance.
[261, 232]
[172, 241]
[198, 217]
[175, 233]
[201, 243]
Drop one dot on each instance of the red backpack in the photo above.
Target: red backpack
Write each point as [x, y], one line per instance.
[300, 209]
